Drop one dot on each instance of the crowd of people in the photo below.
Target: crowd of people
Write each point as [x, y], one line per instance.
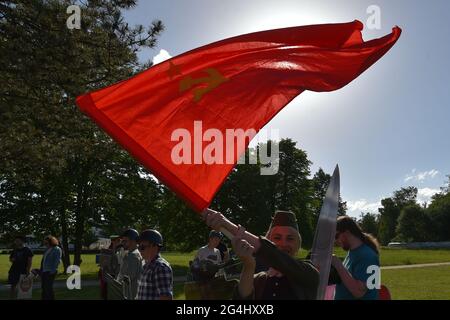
[135, 258]
[271, 270]
[270, 267]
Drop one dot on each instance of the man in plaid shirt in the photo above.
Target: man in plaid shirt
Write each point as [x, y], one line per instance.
[155, 282]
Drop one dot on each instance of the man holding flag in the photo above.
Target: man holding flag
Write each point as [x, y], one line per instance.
[287, 277]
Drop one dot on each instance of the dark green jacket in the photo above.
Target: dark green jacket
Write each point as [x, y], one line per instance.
[302, 276]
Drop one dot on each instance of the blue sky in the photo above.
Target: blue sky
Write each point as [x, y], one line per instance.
[387, 129]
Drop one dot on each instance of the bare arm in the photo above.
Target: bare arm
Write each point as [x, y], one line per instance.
[217, 221]
[244, 251]
[297, 271]
[356, 287]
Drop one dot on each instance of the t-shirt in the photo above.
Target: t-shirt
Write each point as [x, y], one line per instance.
[20, 262]
[213, 255]
[356, 262]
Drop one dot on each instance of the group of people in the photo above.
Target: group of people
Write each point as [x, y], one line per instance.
[21, 259]
[136, 258]
[287, 278]
[270, 269]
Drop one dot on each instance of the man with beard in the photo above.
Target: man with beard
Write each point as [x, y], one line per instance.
[363, 252]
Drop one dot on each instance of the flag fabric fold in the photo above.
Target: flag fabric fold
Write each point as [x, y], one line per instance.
[237, 83]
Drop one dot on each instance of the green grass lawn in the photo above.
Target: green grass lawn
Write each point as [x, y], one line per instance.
[430, 283]
[179, 261]
[395, 257]
[86, 293]
[89, 269]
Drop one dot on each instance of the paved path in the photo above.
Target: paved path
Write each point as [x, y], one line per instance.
[423, 265]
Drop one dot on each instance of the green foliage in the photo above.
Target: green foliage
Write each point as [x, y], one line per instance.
[250, 199]
[390, 212]
[369, 223]
[413, 225]
[439, 213]
[59, 173]
[320, 183]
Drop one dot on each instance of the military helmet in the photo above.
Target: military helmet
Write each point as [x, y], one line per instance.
[151, 236]
[132, 234]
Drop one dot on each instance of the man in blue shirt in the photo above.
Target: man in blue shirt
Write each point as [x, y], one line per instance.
[359, 272]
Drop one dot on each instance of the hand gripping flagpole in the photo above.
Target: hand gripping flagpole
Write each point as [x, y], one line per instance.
[227, 233]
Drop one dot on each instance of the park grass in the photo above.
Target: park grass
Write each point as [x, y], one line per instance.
[428, 283]
[89, 270]
[179, 261]
[86, 293]
[396, 257]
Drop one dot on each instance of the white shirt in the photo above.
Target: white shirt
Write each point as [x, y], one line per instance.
[213, 255]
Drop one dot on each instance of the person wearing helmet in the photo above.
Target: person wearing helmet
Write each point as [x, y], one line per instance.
[210, 251]
[156, 280]
[132, 263]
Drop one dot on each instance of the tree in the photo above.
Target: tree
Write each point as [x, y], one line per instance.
[439, 213]
[54, 160]
[251, 199]
[320, 183]
[369, 223]
[390, 211]
[446, 189]
[413, 225]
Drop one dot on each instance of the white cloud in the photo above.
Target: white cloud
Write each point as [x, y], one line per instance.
[161, 56]
[356, 207]
[425, 194]
[421, 176]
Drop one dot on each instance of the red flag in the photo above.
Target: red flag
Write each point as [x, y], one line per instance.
[237, 83]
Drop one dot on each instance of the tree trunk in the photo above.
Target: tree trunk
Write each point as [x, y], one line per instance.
[65, 240]
[79, 220]
[79, 230]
